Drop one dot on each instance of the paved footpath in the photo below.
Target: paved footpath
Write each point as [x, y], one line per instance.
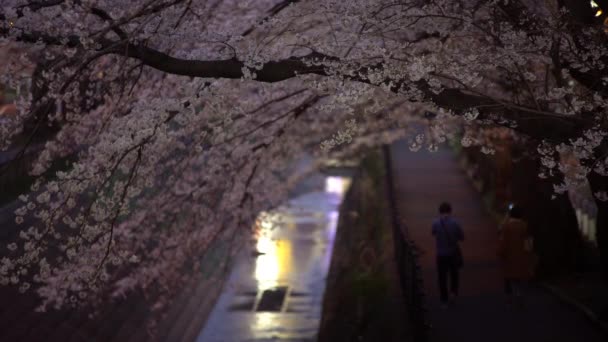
[422, 181]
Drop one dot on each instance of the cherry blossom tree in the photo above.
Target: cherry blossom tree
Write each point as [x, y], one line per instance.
[178, 118]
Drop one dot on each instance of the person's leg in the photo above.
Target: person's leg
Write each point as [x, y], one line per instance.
[454, 277]
[442, 270]
[516, 285]
[508, 287]
[509, 291]
[518, 291]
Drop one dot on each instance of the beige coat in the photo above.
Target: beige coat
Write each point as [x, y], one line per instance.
[515, 260]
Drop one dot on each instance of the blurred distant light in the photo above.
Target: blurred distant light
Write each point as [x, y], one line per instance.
[334, 185]
[265, 245]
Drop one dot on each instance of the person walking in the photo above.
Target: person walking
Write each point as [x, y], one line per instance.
[515, 253]
[448, 234]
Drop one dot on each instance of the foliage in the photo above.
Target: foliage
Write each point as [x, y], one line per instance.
[208, 102]
[357, 299]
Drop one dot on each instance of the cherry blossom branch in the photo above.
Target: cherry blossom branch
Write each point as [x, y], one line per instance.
[38, 5]
[105, 16]
[123, 195]
[276, 9]
[277, 71]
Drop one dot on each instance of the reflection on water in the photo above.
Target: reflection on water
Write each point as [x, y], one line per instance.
[294, 244]
[275, 262]
[332, 227]
[265, 321]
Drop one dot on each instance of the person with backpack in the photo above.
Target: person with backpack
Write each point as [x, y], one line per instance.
[448, 233]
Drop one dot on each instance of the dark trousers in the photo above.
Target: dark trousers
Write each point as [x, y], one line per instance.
[513, 286]
[446, 266]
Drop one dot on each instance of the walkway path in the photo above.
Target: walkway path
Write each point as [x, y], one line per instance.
[422, 181]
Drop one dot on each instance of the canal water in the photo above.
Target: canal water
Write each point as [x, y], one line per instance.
[275, 291]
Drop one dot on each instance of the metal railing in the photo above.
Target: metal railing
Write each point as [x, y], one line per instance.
[407, 258]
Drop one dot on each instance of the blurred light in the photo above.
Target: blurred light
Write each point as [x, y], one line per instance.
[275, 259]
[332, 224]
[599, 12]
[274, 264]
[265, 245]
[335, 185]
[264, 321]
[593, 4]
[266, 265]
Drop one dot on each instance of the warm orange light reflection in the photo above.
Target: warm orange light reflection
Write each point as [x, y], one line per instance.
[275, 263]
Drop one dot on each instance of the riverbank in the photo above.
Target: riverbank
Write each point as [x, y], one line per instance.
[363, 300]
